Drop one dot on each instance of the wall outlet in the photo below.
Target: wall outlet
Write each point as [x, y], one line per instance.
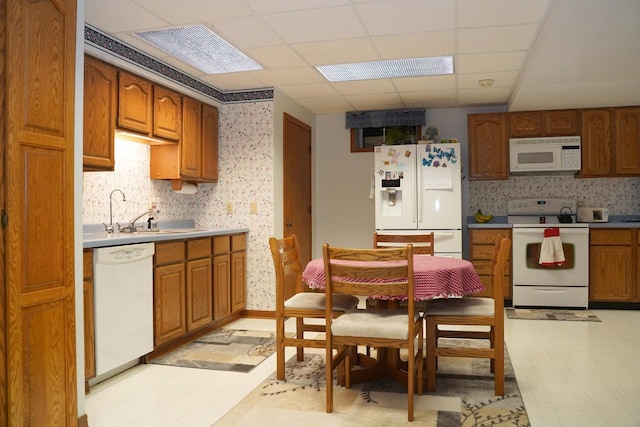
[253, 207]
[229, 207]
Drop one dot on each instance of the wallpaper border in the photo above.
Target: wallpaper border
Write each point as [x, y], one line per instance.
[103, 41]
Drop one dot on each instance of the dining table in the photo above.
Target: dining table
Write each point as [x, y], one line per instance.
[435, 277]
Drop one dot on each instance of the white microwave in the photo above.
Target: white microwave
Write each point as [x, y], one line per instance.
[541, 156]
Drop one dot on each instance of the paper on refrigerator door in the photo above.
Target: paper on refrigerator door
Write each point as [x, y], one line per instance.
[437, 178]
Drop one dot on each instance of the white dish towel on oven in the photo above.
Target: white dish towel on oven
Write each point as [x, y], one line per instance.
[551, 252]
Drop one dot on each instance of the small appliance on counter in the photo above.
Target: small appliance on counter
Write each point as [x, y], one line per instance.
[589, 214]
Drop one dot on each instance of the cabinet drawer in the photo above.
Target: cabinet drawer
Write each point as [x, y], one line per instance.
[483, 252]
[221, 245]
[488, 236]
[198, 248]
[238, 242]
[611, 237]
[169, 252]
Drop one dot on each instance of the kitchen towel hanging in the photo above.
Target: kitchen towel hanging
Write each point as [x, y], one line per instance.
[551, 252]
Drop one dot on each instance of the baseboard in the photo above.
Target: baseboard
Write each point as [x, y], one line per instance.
[259, 314]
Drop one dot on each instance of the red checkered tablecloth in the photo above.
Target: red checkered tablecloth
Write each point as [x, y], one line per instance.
[434, 277]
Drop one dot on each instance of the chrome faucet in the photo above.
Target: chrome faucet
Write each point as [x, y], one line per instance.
[109, 228]
[132, 224]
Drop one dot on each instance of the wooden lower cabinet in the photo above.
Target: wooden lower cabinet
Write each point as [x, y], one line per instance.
[482, 242]
[229, 271]
[169, 292]
[89, 323]
[198, 283]
[612, 270]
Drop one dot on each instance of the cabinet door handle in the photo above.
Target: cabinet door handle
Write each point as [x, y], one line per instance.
[289, 224]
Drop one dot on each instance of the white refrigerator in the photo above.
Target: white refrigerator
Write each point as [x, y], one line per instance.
[418, 188]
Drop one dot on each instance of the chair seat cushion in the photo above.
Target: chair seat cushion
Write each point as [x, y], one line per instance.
[316, 301]
[391, 324]
[460, 307]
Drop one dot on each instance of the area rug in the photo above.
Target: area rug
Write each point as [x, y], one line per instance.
[551, 314]
[223, 350]
[464, 397]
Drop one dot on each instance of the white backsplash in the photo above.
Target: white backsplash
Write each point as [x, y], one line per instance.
[620, 195]
[245, 152]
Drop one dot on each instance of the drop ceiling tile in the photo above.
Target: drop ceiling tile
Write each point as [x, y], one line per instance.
[480, 63]
[309, 91]
[281, 56]
[429, 99]
[413, 45]
[484, 96]
[496, 39]
[193, 11]
[288, 76]
[280, 6]
[337, 51]
[503, 79]
[108, 16]
[234, 30]
[321, 24]
[370, 99]
[233, 81]
[489, 13]
[414, 84]
[327, 105]
[364, 86]
[401, 16]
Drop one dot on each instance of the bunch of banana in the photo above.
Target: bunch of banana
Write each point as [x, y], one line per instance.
[482, 218]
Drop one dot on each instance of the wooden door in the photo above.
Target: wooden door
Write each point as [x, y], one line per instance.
[297, 184]
[627, 141]
[561, 123]
[39, 342]
[488, 146]
[100, 107]
[199, 289]
[526, 123]
[169, 298]
[191, 141]
[209, 143]
[135, 103]
[596, 142]
[167, 113]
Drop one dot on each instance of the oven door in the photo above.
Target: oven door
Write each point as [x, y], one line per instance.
[527, 271]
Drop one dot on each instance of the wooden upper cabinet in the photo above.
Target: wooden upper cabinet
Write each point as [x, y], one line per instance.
[191, 151]
[562, 123]
[135, 101]
[100, 107]
[596, 142]
[167, 113]
[524, 124]
[627, 141]
[209, 143]
[488, 146]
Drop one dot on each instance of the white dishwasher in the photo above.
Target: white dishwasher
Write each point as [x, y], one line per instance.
[123, 286]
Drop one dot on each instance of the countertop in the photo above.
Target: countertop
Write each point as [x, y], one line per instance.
[94, 236]
[617, 221]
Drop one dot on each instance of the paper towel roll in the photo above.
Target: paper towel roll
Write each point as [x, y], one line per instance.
[187, 189]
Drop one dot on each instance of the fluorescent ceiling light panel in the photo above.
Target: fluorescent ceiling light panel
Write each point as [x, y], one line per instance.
[413, 67]
[197, 45]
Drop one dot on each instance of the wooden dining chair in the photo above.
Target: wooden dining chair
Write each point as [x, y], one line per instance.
[459, 314]
[350, 271]
[293, 302]
[423, 244]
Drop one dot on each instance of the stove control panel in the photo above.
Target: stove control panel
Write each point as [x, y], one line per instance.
[541, 207]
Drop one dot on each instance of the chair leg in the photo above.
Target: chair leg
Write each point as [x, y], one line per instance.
[329, 380]
[499, 367]
[280, 375]
[431, 354]
[300, 335]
